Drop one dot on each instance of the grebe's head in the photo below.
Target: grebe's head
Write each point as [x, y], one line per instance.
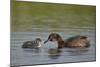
[38, 40]
[53, 37]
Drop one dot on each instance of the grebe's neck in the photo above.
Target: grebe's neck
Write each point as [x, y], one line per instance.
[60, 43]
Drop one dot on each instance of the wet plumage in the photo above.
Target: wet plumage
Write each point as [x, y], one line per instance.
[72, 42]
[32, 44]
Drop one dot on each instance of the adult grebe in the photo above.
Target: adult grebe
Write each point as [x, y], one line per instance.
[72, 42]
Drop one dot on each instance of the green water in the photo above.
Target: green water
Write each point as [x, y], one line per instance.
[28, 15]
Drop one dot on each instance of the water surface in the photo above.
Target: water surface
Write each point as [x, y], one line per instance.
[49, 53]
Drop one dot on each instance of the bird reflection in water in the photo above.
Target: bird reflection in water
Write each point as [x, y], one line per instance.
[54, 53]
[36, 50]
[77, 51]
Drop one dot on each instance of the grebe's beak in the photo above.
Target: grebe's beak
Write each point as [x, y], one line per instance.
[45, 41]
